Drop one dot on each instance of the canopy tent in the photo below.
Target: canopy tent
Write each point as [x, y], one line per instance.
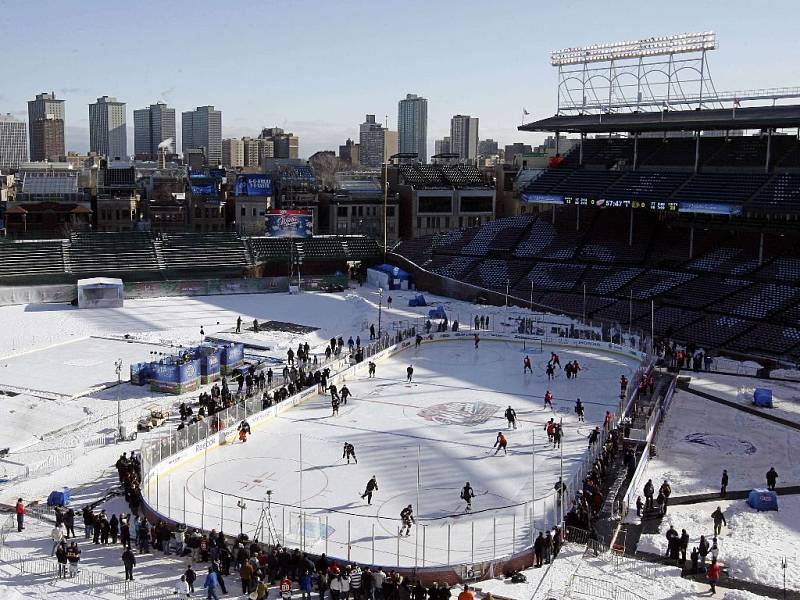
[100, 292]
[387, 276]
[762, 397]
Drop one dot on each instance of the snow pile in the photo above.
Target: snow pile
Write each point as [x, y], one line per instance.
[750, 547]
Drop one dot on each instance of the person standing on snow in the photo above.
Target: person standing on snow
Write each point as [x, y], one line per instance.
[772, 478]
[409, 373]
[723, 491]
[526, 365]
[579, 410]
[500, 443]
[719, 521]
[511, 417]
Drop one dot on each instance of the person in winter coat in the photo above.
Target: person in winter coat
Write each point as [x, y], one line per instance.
[703, 549]
[61, 557]
[182, 588]
[649, 490]
[128, 561]
[19, 510]
[684, 543]
[538, 550]
[772, 478]
[723, 491]
[306, 584]
[713, 575]
[665, 491]
[191, 577]
[211, 584]
[73, 557]
[719, 521]
[88, 522]
[58, 534]
[340, 586]
[69, 522]
[246, 573]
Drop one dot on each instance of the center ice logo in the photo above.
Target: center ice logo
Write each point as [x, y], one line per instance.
[459, 413]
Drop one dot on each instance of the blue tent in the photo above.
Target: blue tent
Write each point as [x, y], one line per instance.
[61, 498]
[762, 397]
[763, 500]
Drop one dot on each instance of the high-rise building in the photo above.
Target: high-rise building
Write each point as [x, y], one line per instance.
[13, 142]
[284, 145]
[390, 144]
[514, 149]
[232, 153]
[412, 126]
[252, 151]
[348, 153]
[151, 126]
[108, 133]
[464, 137]
[46, 127]
[372, 143]
[442, 146]
[202, 129]
[488, 148]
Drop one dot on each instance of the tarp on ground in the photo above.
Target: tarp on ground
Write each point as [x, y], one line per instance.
[100, 292]
[762, 397]
[418, 300]
[437, 313]
[762, 499]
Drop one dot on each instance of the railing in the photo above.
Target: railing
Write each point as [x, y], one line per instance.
[501, 533]
[91, 582]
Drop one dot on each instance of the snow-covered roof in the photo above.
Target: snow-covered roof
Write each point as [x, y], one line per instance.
[99, 281]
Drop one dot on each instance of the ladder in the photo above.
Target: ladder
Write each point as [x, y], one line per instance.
[266, 524]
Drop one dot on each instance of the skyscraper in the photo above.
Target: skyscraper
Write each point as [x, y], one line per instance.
[151, 126]
[13, 142]
[371, 142]
[46, 127]
[284, 145]
[464, 137]
[202, 128]
[108, 135]
[390, 144]
[232, 153]
[442, 146]
[488, 148]
[412, 125]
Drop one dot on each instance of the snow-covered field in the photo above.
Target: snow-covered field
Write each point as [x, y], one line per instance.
[785, 395]
[699, 438]
[751, 546]
[450, 414]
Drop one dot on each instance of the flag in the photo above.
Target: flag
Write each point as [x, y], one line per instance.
[525, 112]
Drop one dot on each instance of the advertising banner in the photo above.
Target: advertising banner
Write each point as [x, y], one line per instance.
[253, 184]
[290, 224]
[203, 190]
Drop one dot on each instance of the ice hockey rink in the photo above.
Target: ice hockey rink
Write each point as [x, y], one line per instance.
[422, 441]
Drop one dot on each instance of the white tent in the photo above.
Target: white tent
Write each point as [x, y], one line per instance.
[100, 292]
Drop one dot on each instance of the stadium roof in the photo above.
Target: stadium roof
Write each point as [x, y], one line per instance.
[757, 117]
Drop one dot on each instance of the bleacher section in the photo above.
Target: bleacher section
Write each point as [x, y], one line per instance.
[721, 297]
[112, 253]
[201, 251]
[31, 260]
[320, 248]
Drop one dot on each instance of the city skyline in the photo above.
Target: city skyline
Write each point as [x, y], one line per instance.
[508, 71]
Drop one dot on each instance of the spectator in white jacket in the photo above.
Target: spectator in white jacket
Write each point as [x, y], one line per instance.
[58, 534]
[340, 586]
[182, 588]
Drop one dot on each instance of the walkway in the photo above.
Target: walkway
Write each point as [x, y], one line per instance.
[731, 495]
[752, 411]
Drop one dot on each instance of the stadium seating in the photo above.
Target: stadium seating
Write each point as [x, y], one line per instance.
[556, 241]
[553, 276]
[20, 260]
[546, 181]
[782, 190]
[704, 291]
[608, 239]
[606, 281]
[451, 242]
[783, 268]
[644, 186]
[495, 274]
[586, 183]
[454, 267]
[319, 248]
[267, 249]
[201, 251]
[508, 230]
[109, 253]
[767, 338]
[759, 301]
[721, 187]
[655, 282]
[713, 330]
[727, 259]
[667, 319]
[680, 152]
[360, 248]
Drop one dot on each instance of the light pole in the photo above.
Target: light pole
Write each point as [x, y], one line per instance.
[118, 369]
[380, 308]
[242, 505]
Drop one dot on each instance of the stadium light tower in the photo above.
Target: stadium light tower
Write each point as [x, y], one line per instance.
[655, 72]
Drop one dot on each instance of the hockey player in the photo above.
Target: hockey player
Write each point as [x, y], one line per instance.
[335, 406]
[348, 451]
[372, 486]
[511, 417]
[467, 494]
[557, 433]
[548, 399]
[334, 392]
[579, 409]
[575, 369]
[555, 360]
[371, 369]
[526, 365]
[407, 518]
[568, 370]
[608, 420]
[345, 393]
[409, 373]
[550, 427]
[500, 443]
[550, 370]
[477, 341]
[244, 431]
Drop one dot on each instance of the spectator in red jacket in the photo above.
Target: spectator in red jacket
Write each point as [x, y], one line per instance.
[20, 510]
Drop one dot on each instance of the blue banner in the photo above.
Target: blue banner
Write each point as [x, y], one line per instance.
[543, 198]
[290, 224]
[203, 190]
[710, 208]
[253, 184]
[218, 173]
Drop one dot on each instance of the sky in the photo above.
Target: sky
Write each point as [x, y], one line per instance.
[316, 67]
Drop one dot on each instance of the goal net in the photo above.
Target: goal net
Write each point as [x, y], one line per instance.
[302, 526]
